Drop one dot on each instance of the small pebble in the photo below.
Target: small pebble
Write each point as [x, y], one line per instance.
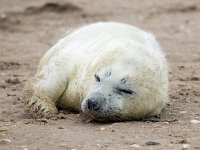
[113, 130]
[135, 146]
[195, 79]
[7, 140]
[63, 145]
[184, 141]
[195, 121]
[61, 116]
[24, 146]
[4, 141]
[102, 129]
[98, 145]
[27, 122]
[2, 129]
[183, 112]
[3, 16]
[185, 146]
[42, 120]
[152, 143]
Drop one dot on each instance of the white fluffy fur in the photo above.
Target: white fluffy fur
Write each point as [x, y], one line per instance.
[66, 73]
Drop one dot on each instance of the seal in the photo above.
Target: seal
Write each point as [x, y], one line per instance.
[109, 71]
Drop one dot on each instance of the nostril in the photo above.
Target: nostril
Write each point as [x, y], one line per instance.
[93, 105]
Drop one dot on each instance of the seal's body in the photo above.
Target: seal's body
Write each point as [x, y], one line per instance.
[109, 71]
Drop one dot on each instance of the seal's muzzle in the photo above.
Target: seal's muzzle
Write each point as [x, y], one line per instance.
[95, 102]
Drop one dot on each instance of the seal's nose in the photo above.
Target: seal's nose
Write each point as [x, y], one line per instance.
[93, 105]
[95, 102]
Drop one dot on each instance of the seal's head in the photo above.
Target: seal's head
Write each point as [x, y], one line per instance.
[109, 94]
[125, 92]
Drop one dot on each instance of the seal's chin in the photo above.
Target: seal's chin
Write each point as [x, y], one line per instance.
[103, 117]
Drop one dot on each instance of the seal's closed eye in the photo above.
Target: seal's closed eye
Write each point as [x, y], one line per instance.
[126, 91]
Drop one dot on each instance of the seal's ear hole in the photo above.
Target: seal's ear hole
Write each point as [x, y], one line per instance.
[97, 78]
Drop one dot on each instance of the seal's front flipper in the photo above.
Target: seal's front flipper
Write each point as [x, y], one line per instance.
[42, 93]
[38, 102]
